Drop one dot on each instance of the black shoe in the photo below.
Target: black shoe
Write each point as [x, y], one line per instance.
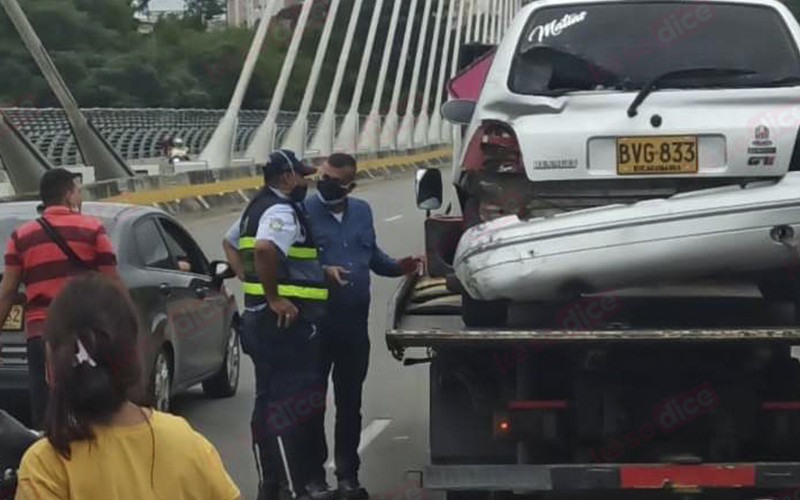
[318, 491]
[350, 489]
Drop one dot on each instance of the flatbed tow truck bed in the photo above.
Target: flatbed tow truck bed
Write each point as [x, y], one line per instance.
[465, 460]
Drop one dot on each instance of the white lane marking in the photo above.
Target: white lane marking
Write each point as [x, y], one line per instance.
[368, 435]
[392, 219]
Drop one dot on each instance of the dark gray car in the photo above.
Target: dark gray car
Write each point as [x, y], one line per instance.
[189, 322]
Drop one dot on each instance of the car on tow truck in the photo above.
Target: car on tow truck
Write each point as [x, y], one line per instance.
[593, 103]
[189, 322]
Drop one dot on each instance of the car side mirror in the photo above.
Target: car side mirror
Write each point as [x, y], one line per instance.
[221, 270]
[459, 111]
[429, 189]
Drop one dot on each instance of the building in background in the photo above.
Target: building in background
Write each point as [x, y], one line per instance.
[248, 12]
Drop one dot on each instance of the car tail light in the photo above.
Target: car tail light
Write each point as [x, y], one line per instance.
[501, 424]
[494, 148]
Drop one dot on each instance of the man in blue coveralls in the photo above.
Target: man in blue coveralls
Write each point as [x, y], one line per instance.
[345, 235]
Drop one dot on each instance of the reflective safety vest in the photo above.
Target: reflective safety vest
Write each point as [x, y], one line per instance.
[300, 275]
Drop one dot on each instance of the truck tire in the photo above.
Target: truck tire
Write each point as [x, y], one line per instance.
[481, 313]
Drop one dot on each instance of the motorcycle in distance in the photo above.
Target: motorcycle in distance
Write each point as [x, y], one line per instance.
[15, 439]
[178, 151]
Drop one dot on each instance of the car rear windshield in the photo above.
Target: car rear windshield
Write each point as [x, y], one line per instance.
[8, 223]
[625, 45]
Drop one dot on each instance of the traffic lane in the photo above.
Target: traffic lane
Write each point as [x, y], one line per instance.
[395, 399]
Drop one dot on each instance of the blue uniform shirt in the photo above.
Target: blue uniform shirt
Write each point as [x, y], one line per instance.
[349, 244]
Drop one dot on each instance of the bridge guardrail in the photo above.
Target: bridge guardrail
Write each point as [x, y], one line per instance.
[203, 189]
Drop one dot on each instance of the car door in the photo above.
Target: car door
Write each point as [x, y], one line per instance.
[164, 289]
[202, 312]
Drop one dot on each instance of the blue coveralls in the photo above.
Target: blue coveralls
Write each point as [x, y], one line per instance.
[350, 244]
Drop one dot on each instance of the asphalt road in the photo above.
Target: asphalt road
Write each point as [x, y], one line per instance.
[394, 435]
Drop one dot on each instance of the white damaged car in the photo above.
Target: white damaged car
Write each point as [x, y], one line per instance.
[593, 103]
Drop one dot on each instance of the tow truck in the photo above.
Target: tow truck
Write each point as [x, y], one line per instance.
[686, 390]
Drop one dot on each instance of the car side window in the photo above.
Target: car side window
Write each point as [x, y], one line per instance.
[187, 256]
[151, 245]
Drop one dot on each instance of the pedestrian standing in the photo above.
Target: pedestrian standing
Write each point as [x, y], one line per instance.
[345, 234]
[99, 444]
[43, 254]
[272, 249]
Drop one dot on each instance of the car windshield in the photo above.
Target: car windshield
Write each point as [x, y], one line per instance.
[625, 45]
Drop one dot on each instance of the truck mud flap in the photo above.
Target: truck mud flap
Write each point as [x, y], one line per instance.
[611, 476]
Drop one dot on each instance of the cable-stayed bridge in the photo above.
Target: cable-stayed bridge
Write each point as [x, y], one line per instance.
[110, 141]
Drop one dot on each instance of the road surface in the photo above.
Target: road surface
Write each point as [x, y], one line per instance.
[394, 436]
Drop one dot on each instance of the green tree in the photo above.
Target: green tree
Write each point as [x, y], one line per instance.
[204, 10]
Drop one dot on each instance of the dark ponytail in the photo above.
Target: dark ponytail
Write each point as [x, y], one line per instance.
[91, 327]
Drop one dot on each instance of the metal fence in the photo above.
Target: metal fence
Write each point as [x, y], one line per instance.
[136, 133]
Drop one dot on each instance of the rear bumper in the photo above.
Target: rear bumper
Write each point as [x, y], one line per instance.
[588, 477]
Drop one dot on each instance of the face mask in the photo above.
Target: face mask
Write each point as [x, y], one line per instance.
[298, 194]
[331, 192]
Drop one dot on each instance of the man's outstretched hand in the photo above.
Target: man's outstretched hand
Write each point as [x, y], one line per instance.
[410, 264]
[337, 275]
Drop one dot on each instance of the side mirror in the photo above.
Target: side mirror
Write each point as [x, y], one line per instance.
[459, 111]
[221, 270]
[429, 188]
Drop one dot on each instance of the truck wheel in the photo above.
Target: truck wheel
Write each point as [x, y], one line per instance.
[481, 313]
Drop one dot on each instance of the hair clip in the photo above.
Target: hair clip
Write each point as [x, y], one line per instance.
[82, 356]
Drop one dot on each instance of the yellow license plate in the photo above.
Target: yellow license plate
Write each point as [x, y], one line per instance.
[657, 155]
[15, 319]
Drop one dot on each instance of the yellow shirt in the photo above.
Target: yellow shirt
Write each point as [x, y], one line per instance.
[117, 466]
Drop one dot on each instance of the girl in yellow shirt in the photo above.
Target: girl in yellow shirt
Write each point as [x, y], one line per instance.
[99, 445]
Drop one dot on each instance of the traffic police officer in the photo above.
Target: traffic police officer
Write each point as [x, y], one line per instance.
[272, 250]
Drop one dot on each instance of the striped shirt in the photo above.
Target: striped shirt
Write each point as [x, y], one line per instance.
[45, 268]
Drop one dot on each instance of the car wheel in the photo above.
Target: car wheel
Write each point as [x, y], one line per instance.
[225, 382]
[161, 382]
[480, 313]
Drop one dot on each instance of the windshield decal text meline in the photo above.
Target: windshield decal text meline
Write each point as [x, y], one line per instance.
[556, 26]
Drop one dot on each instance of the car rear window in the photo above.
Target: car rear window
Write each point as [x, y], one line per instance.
[8, 223]
[625, 45]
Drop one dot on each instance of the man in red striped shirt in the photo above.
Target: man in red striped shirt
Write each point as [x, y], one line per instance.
[34, 259]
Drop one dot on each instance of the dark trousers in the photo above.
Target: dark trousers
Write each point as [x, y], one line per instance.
[289, 394]
[345, 358]
[39, 391]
